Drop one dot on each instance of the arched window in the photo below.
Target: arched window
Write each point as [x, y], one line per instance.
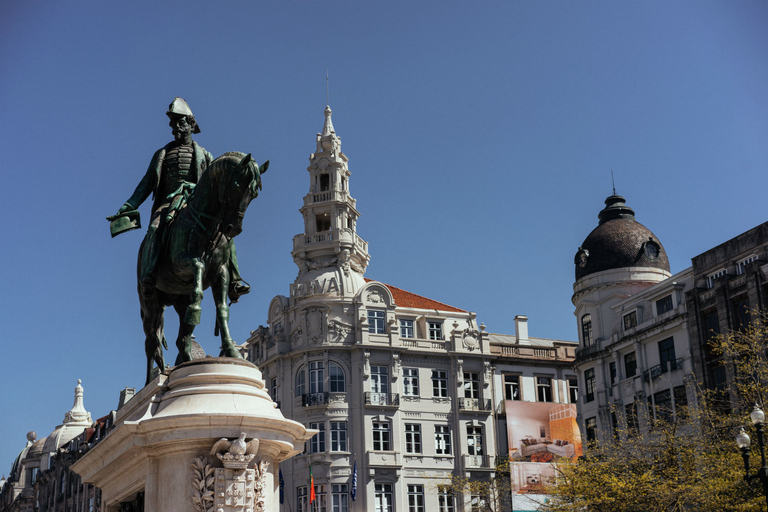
[336, 378]
[301, 382]
[586, 330]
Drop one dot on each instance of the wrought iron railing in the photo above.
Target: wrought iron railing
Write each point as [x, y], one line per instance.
[475, 404]
[314, 399]
[654, 372]
[382, 399]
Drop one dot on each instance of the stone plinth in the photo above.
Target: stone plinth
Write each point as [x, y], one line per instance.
[162, 445]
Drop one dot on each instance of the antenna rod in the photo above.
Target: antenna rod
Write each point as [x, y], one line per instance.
[327, 93]
[613, 183]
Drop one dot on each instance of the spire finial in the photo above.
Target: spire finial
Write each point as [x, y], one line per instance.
[613, 183]
[78, 414]
[327, 90]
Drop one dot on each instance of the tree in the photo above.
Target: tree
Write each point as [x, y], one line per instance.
[490, 495]
[686, 461]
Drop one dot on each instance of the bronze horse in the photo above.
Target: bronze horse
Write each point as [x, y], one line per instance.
[196, 255]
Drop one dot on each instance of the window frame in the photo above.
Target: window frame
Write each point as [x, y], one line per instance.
[413, 438]
[443, 440]
[406, 328]
[410, 382]
[664, 305]
[415, 497]
[376, 321]
[590, 383]
[586, 330]
[317, 442]
[630, 357]
[337, 378]
[439, 384]
[435, 330]
[381, 436]
[544, 389]
[512, 386]
[339, 437]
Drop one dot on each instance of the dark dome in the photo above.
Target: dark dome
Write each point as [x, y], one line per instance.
[619, 241]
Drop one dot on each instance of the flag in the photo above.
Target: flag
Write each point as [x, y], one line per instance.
[282, 487]
[354, 482]
[312, 496]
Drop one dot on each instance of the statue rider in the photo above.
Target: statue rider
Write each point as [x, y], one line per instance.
[174, 169]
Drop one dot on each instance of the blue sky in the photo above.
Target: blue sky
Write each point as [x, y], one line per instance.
[481, 139]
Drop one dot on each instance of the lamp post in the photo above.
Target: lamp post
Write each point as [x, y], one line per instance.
[742, 441]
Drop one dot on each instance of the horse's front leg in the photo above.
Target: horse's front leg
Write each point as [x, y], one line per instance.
[219, 289]
[192, 317]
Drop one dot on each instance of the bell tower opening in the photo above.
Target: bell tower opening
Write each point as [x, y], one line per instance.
[325, 182]
[322, 222]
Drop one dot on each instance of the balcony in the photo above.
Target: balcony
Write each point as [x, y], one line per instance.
[333, 235]
[475, 405]
[374, 399]
[314, 399]
[657, 371]
[479, 462]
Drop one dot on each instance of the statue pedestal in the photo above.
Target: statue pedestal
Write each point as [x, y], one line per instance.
[160, 449]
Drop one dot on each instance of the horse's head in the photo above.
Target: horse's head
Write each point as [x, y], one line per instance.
[239, 184]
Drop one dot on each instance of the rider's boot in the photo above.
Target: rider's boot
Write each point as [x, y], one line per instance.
[149, 254]
[237, 286]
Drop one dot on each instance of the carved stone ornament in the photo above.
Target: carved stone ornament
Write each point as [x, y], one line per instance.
[460, 372]
[366, 364]
[469, 339]
[235, 487]
[296, 334]
[487, 372]
[375, 297]
[395, 366]
[339, 329]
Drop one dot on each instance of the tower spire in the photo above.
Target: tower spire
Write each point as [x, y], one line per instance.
[330, 242]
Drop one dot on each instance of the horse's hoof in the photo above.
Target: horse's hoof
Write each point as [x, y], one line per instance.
[231, 352]
[192, 317]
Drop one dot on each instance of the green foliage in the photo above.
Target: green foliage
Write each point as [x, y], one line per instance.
[495, 491]
[688, 462]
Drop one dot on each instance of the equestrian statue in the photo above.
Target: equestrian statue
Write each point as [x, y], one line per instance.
[199, 205]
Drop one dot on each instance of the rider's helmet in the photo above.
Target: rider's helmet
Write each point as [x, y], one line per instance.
[179, 107]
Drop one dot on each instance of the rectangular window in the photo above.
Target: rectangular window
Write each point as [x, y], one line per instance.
[471, 385]
[336, 378]
[439, 383]
[591, 425]
[589, 381]
[338, 436]
[630, 320]
[711, 278]
[475, 440]
[630, 365]
[382, 498]
[681, 399]
[631, 416]
[412, 438]
[380, 385]
[667, 355]
[381, 437]
[406, 328]
[512, 387]
[340, 498]
[273, 389]
[544, 389]
[741, 266]
[411, 381]
[663, 402]
[316, 377]
[664, 305]
[586, 330]
[612, 369]
[445, 500]
[375, 321]
[301, 499]
[573, 390]
[741, 314]
[321, 503]
[710, 324]
[415, 498]
[317, 443]
[435, 330]
[442, 440]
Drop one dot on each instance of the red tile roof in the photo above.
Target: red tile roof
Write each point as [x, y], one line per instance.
[406, 299]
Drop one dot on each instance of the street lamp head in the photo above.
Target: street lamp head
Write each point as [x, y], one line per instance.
[742, 439]
[757, 415]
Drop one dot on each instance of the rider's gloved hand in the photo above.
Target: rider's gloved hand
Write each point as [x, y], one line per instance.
[125, 208]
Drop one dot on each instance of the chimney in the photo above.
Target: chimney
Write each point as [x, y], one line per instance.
[126, 395]
[521, 329]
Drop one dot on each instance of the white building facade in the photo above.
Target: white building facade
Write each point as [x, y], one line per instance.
[405, 391]
[634, 359]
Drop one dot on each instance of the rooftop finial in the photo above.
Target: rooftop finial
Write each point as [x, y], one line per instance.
[327, 91]
[78, 414]
[613, 183]
[328, 125]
